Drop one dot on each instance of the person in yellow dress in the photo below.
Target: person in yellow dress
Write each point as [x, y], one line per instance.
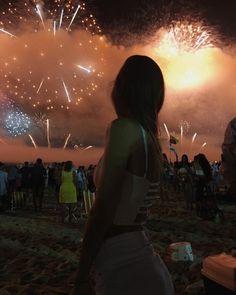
[68, 192]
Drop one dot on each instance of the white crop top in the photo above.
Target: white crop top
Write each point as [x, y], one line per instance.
[136, 196]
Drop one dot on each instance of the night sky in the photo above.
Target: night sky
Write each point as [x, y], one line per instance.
[119, 17]
[125, 18]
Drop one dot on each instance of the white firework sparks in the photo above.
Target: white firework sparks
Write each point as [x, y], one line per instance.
[17, 123]
[184, 37]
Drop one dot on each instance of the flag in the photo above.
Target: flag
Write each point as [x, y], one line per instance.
[173, 140]
[172, 149]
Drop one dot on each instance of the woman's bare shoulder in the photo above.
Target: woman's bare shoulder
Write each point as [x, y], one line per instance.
[124, 123]
[123, 132]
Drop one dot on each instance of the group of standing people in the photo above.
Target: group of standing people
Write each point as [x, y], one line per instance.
[62, 180]
[15, 182]
[196, 181]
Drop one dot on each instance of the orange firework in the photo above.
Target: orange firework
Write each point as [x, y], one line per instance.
[55, 60]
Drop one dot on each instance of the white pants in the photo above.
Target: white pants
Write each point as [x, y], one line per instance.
[127, 265]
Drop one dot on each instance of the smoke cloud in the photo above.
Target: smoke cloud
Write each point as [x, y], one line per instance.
[200, 89]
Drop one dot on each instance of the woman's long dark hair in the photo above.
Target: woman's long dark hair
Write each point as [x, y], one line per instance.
[138, 93]
[206, 167]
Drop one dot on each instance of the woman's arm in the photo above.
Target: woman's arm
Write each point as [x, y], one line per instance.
[121, 139]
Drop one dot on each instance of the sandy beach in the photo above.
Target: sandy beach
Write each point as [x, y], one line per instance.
[40, 256]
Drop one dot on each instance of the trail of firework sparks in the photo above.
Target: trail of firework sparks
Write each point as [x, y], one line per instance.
[67, 139]
[61, 18]
[83, 68]
[55, 18]
[181, 133]
[40, 86]
[200, 41]
[48, 133]
[54, 27]
[167, 131]
[66, 91]
[7, 33]
[194, 137]
[73, 17]
[204, 144]
[38, 11]
[87, 148]
[32, 140]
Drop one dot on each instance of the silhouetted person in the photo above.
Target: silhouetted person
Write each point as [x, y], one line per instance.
[13, 176]
[25, 173]
[185, 180]
[203, 176]
[229, 157]
[38, 175]
[115, 245]
[3, 187]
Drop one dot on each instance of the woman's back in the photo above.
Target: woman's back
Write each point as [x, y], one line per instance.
[67, 177]
[67, 192]
[140, 185]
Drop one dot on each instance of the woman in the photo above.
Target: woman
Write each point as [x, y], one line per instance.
[115, 246]
[67, 193]
[185, 180]
[203, 176]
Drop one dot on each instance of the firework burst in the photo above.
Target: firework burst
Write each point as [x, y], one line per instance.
[17, 123]
[182, 37]
[185, 126]
[49, 65]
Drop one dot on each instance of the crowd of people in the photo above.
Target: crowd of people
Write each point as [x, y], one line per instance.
[197, 182]
[63, 180]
